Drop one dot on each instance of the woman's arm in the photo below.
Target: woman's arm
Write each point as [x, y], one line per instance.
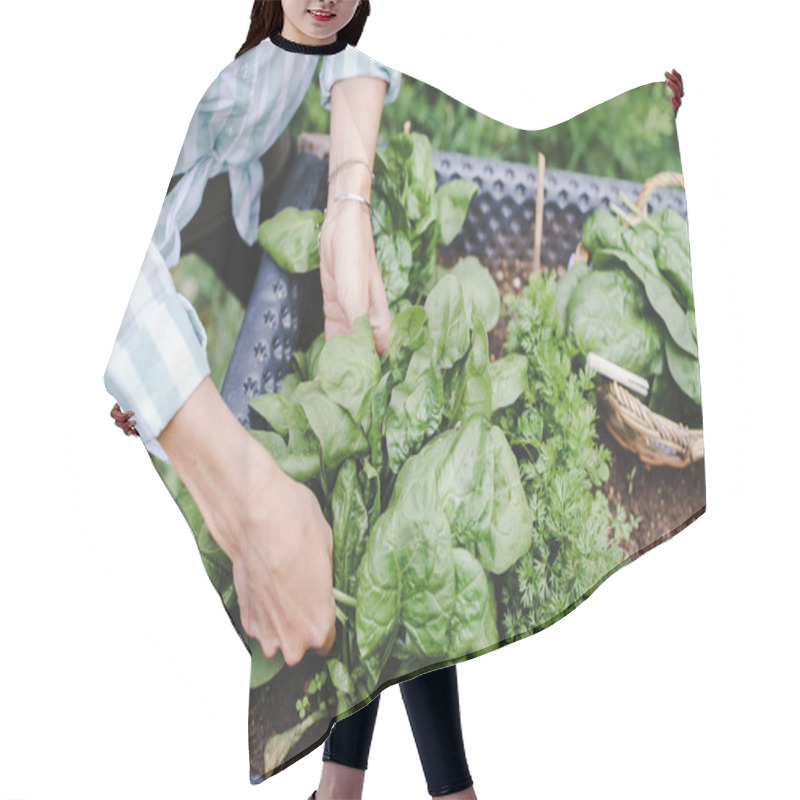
[159, 356]
[219, 462]
[349, 272]
[356, 107]
[269, 525]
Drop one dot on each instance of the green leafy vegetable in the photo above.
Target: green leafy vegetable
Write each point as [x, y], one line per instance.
[291, 237]
[551, 430]
[635, 304]
[608, 310]
[422, 490]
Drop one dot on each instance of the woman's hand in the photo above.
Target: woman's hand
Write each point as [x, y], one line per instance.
[123, 420]
[351, 278]
[269, 525]
[283, 566]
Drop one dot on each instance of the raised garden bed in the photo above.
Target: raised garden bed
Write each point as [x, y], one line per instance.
[284, 313]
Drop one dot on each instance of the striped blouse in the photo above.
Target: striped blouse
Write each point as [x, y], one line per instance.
[159, 356]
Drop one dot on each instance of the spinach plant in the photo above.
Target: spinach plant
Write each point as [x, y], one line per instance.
[422, 490]
[634, 304]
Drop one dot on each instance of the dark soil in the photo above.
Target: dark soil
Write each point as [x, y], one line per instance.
[272, 710]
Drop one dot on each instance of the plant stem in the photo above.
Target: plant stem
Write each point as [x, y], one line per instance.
[342, 597]
[633, 207]
[386, 492]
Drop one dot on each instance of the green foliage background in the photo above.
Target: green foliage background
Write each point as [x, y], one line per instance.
[630, 137]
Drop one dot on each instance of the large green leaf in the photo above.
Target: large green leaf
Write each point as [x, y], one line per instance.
[451, 203]
[349, 367]
[685, 369]
[512, 521]
[481, 295]
[338, 435]
[472, 389]
[659, 293]
[408, 332]
[393, 251]
[290, 237]
[608, 311]
[471, 629]
[509, 379]
[350, 526]
[447, 321]
[415, 412]
[465, 478]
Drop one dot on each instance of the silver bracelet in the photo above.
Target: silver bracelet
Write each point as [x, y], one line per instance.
[350, 161]
[342, 197]
[350, 196]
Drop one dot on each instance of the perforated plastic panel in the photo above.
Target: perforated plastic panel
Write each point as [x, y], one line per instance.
[280, 301]
[501, 216]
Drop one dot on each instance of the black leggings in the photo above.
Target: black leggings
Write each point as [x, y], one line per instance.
[432, 706]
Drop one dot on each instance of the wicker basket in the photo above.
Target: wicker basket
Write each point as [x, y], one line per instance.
[656, 439]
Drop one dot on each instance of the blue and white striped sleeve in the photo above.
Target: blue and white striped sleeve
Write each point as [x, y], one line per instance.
[352, 63]
[159, 356]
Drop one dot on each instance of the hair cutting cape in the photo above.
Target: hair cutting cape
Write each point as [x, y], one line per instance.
[536, 421]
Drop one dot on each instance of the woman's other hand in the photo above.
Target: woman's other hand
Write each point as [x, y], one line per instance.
[269, 525]
[283, 566]
[351, 278]
[122, 419]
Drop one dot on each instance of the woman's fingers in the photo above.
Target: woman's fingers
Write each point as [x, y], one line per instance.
[675, 87]
[352, 284]
[329, 641]
[264, 633]
[675, 84]
[311, 619]
[675, 77]
[283, 572]
[122, 419]
[255, 623]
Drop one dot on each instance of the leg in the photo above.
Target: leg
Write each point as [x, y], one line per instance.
[433, 710]
[346, 753]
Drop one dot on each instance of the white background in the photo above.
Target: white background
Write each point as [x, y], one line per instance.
[121, 676]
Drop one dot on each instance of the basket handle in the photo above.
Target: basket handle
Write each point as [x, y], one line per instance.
[661, 180]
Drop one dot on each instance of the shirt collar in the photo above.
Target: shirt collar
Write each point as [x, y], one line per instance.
[316, 49]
